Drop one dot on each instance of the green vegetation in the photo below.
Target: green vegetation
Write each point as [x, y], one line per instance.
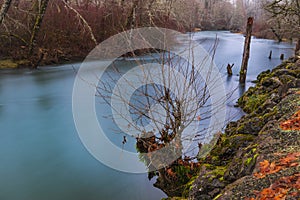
[11, 64]
[8, 64]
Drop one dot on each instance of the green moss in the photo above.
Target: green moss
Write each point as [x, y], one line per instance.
[218, 172]
[215, 158]
[240, 128]
[236, 140]
[253, 150]
[189, 186]
[217, 197]
[270, 114]
[250, 160]
[254, 101]
[263, 75]
[208, 166]
[290, 66]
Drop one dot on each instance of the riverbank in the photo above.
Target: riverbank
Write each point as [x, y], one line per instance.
[258, 156]
[9, 63]
[46, 57]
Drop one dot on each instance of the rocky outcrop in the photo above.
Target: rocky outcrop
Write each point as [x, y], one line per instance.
[258, 156]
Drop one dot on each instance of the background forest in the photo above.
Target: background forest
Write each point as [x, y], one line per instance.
[53, 31]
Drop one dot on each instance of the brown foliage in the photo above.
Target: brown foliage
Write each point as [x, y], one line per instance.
[293, 124]
[265, 167]
[281, 189]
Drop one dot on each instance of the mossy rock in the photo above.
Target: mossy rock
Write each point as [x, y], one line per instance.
[226, 149]
[242, 164]
[250, 102]
[263, 75]
[189, 186]
[231, 128]
[218, 172]
[289, 72]
[251, 127]
[209, 183]
[270, 83]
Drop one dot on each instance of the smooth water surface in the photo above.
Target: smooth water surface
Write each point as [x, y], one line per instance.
[42, 157]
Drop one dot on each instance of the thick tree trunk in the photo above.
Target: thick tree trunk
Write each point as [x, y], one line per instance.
[246, 54]
[37, 25]
[4, 9]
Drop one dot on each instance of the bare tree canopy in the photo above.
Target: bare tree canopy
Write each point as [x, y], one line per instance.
[284, 17]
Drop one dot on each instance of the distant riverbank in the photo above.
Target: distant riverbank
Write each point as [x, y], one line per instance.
[44, 60]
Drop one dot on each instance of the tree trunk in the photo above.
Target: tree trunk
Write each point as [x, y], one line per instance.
[246, 54]
[131, 23]
[37, 25]
[4, 9]
[277, 35]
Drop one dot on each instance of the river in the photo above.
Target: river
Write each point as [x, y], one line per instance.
[41, 154]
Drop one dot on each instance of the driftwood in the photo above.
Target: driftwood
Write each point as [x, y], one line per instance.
[229, 69]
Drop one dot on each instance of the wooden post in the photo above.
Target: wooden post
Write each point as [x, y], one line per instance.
[270, 56]
[229, 69]
[246, 54]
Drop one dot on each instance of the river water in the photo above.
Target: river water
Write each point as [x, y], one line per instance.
[41, 154]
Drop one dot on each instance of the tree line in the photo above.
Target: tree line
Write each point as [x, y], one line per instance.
[51, 31]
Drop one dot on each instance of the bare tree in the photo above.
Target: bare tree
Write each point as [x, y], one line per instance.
[41, 9]
[86, 24]
[173, 103]
[286, 14]
[4, 9]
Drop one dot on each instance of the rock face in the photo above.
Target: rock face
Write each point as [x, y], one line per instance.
[256, 158]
